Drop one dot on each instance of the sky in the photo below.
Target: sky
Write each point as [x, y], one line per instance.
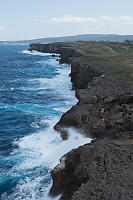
[29, 19]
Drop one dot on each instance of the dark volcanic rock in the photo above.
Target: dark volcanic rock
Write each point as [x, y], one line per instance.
[82, 74]
[54, 55]
[104, 109]
[97, 171]
[46, 48]
[101, 170]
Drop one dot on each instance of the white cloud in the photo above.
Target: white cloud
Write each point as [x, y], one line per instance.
[114, 21]
[121, 19]
[107, 18]
[127, 19]
[2, 28]
[72, 19]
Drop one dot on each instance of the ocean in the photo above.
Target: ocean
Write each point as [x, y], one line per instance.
[35, 90]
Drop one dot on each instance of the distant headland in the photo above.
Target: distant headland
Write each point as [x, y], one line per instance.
[83, 37]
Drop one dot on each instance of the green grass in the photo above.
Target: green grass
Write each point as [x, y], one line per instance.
[115, 58]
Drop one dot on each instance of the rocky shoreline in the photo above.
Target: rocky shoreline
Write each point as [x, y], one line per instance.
[103, 168]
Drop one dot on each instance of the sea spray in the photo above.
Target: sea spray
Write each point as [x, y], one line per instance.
[41, 94]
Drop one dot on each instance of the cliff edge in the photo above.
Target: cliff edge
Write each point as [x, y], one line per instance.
[102, 76]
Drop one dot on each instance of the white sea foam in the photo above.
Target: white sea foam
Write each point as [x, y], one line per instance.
[61, 109]
[41, 147]
[37, 53]
[59, 84]
[50, 62]
[12, 89]
[40, 152]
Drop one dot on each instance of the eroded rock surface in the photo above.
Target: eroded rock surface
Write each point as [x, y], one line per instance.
[105, 109]
[100, 170]
[103, 169]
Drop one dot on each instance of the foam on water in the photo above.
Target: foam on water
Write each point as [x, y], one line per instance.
[37, 53]
[59, 84]
[38, 153]
[61, 109]
[48, 62]
[36, 156]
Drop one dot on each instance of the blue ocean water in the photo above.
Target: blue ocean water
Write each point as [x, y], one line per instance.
[35, 90]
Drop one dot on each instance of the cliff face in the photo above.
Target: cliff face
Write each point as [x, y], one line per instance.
[81, 74]
[105, 109]
[47, 48]
[98, 171]
[101, 170]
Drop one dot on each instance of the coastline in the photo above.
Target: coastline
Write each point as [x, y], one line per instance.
[101, 169]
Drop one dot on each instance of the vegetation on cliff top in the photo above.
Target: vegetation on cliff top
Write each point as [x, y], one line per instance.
[115, 58]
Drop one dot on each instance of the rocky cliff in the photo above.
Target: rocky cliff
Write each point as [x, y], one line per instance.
[98, 171]
[104, 88]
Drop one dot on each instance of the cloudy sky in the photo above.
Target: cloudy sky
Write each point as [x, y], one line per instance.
[28, 19]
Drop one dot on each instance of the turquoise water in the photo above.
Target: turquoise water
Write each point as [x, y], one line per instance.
[35, 90]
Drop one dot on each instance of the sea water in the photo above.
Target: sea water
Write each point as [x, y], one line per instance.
[35, 90]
